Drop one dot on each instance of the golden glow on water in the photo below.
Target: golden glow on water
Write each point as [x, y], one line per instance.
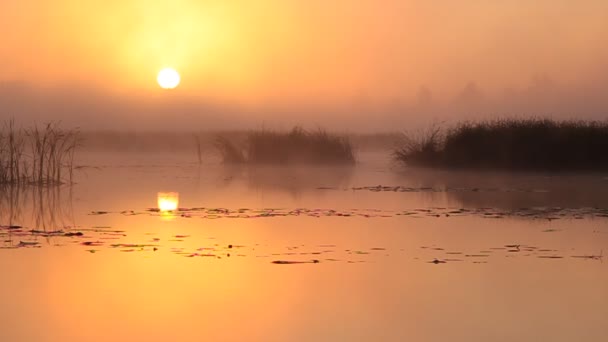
[168, 201]
[191, 279]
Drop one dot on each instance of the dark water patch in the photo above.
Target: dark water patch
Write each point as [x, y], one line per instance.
[32, 244]
[288, 262]
[117, 235]
[399, 188]
[129, 213]
[550, 257]
[131, 245]
[92, 243]
[106, 230]
[599, 257]
[201, 255]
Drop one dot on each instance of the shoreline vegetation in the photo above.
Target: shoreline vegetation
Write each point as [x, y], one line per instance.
[292, 147]
[45, 155]
[509, 144]
[41, 156]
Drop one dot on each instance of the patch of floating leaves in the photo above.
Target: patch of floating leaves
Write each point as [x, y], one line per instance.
[92, 243]
[16, 237]
[131, 245]
[547, 213]
[289, 262]
[399, 188]
[599, 257]
[247, 213]
[21, 237]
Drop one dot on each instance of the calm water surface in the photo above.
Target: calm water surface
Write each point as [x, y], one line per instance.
[303, 254]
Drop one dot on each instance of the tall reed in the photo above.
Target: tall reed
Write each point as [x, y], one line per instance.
[39, 156]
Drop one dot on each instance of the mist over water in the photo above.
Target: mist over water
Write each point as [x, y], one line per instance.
[92, 109]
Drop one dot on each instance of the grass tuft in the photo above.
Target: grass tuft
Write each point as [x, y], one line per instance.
[295, 146]
[532, 144]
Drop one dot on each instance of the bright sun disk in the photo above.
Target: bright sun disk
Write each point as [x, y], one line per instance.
[168, 78]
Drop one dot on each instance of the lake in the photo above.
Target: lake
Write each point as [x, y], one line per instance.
[157, 247]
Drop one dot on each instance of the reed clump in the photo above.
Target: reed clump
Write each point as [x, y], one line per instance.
[38, 155]
[295, 146]
[533, 144]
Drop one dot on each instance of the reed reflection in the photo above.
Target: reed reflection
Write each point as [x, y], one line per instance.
[289, 179]
[37, 211]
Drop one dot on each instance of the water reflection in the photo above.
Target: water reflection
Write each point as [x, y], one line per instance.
[168, 203]
[512, 191]
[122, 252]
[42, 207]
[290, 179]
[41, 210]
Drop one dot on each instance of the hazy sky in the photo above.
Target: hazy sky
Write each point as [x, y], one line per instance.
[340, 63]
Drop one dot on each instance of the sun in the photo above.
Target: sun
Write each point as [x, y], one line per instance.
[168, 78]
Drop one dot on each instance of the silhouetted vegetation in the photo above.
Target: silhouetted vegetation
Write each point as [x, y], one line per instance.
[535, 144]
[40, 156]
[295, 146]
[229, 151]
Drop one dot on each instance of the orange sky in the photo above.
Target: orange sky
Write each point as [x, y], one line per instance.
[286, 53]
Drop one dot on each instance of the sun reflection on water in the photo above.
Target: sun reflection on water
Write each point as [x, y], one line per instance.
[168, 201]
